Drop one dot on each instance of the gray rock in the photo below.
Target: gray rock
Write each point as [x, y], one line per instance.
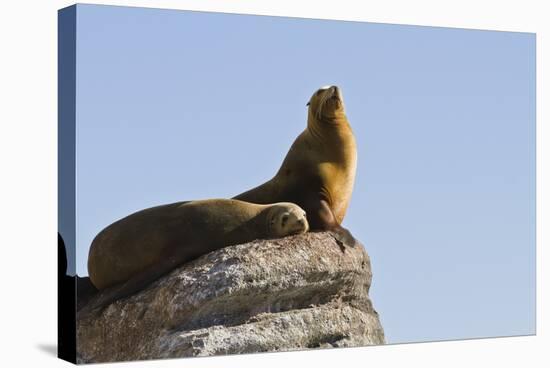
[293, 293]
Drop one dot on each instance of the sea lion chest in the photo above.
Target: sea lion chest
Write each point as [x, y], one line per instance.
[323, 166]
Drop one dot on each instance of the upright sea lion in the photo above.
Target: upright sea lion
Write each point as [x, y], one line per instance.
[132, 252]
[318, 172]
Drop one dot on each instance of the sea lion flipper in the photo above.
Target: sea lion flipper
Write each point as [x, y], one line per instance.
[344, 237]
[325, 220]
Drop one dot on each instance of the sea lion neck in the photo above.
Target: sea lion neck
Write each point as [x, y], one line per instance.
[320, 127]
[265, 216]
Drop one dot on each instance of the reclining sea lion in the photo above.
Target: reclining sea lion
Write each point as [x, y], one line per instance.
[132, 252]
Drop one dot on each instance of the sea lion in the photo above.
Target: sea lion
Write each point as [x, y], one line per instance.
[132, 252]
[318, 172]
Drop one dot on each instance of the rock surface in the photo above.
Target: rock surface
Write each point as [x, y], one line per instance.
[293, 293]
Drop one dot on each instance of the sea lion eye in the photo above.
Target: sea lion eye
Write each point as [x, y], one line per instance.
[284, 219]
[308, 103]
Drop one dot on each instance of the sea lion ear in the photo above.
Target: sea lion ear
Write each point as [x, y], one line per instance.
[308, 103]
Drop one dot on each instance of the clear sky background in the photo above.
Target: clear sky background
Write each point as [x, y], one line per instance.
[175, 105]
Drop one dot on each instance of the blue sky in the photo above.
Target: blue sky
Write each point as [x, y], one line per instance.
[175, 105]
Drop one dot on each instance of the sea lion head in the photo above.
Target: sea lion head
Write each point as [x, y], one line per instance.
[286, 219]
[326, 104]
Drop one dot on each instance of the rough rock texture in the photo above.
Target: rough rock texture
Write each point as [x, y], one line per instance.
[293, 293]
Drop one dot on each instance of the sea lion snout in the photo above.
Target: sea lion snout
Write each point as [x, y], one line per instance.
[297, 221]
[331, 89]
[337, 93]
[300, 226]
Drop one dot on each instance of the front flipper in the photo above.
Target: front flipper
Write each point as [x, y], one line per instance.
[130, 287]
[320, 217]
[343, 237]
